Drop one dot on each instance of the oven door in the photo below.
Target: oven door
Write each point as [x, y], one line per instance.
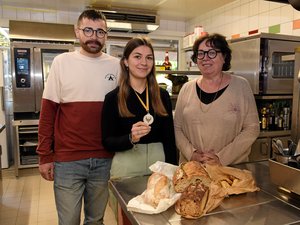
[246, 61]
[43, 61]
[280, 67]
[31, 63]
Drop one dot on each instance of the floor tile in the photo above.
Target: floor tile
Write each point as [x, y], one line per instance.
[29, 200]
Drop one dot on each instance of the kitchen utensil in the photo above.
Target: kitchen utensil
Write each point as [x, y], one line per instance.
[292, 147]
[282, 158]
[280, 146]
[293, 163]
[297, 152]
[275, 146]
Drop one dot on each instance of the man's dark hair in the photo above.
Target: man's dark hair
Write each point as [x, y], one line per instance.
[91, 14]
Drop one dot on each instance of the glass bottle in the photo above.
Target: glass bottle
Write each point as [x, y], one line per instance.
[271, 118]
[264, 118]
[167, 64]
[280, 121]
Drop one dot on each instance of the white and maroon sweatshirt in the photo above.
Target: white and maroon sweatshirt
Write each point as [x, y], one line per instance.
[70, 117]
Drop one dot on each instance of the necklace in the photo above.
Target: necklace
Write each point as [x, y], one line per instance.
[205, 111]
[148, 118]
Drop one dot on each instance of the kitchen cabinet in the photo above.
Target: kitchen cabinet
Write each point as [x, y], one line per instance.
[261, 149]
[26, 139]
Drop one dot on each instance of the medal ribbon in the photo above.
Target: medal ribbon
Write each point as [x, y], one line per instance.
[146, 106]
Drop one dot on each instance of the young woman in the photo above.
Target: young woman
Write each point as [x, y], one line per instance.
[137, 122]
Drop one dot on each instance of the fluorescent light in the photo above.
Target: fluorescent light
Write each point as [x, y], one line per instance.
[112, 24]
[4, 32]
[152, 27]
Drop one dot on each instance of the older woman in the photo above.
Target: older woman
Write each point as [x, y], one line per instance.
[216, 119]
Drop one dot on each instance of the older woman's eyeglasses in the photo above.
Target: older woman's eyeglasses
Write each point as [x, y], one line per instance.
[212, 53]
[89, 32]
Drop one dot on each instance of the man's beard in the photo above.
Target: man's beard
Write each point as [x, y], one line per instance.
[92, 47]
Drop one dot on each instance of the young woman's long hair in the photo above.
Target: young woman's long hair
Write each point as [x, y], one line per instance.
[124, 81]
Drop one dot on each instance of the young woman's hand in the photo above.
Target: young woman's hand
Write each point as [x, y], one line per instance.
[138, 130]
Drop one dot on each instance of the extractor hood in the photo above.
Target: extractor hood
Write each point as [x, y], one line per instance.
[24, 30]
[294, 3]
[130, 21]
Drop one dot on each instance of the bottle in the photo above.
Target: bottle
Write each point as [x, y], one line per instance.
[286, 118]
[271, 118]
[263, 118]
[167, 64]
[280, 122]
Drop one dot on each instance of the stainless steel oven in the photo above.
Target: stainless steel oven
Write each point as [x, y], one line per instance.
[31, 62]
[33, 49]
[266, 61]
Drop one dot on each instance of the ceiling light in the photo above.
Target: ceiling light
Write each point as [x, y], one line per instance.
[152, 27]
[120, 25]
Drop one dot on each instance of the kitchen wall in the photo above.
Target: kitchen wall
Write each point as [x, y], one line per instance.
[167, 28]
[246, 17]
[237, 19]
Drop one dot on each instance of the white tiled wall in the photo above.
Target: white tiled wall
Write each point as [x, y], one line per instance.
[173, 28]
[242, 16]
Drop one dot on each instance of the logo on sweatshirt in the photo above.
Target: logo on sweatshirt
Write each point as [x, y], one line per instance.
[110, 77]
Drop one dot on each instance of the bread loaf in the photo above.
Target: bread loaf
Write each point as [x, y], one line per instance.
[188, 173]
[158, 187]
[204, 187]
[193, 200]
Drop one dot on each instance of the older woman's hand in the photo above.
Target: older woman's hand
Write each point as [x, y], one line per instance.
[206, 157]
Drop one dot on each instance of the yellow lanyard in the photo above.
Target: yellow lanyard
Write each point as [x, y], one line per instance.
[146, 106]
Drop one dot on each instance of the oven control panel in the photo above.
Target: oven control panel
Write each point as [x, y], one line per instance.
[22, 67]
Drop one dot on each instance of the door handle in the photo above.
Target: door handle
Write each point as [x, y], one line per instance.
[264, 151]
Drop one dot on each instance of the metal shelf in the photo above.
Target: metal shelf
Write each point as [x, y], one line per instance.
[187, 72]
[25, 130]
[274, 133]
[273, 97]
[28, 166]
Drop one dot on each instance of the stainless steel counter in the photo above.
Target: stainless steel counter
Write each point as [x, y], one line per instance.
[269, 206]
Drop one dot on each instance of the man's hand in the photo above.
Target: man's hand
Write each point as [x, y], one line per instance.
[46, 170]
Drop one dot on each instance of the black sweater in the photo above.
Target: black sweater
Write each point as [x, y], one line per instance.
[116, 129]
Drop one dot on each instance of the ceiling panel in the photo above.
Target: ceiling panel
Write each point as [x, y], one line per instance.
[167, 9]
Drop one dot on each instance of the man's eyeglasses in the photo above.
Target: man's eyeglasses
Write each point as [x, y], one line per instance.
[212, 53]
[89, 32]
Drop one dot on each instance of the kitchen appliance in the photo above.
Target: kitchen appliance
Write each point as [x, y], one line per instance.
[267, 62]
[288, 175]
[296, 99]
[4, 159]
[31, 62]
[33, 49]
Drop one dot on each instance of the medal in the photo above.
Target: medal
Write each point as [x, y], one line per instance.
[148, 118]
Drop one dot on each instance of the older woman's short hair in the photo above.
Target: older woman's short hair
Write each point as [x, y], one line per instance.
[216, 41]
